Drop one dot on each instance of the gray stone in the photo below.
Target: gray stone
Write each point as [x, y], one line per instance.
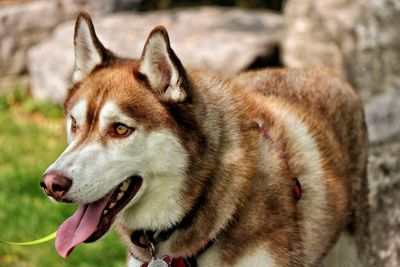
[99, 7]
[383, 117]
[25, 23]
[228, 40]
[359, 39]
[21, 26]
[384, 197]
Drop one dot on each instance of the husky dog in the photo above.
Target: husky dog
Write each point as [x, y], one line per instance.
[264, 169]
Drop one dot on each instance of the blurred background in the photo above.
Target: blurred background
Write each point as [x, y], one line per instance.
[359, 39]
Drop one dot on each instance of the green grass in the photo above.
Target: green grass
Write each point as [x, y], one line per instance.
[31, 138]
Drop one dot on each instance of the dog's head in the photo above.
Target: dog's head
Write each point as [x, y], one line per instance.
[124, 161]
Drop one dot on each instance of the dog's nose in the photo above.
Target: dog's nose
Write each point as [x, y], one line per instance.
[55, 184]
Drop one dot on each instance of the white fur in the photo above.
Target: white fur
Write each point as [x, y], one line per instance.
[343, 254]
[162, 166]
[134, 262]
[86, 54]
[158, 157]
[78, 112]
[255, 257]
[110, 113]
[313, 202]
[211, 257]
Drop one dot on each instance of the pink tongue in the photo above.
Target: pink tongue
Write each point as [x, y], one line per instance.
[77, 228]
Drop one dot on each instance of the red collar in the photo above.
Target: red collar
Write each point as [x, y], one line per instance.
[178, 262]
[172, 262]
[181, 261]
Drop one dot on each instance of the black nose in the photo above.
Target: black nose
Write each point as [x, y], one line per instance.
[55, 184]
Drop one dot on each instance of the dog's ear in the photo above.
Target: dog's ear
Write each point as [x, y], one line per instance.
[89, 51]
[165, 73]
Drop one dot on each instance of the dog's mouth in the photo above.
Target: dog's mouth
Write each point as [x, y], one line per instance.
[92, 221]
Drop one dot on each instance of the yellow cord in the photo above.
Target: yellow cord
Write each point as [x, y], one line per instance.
[34, 242]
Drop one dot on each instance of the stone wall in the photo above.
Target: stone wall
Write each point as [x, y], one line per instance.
[359, 39]
[21, 26]
[225, 39]
[25, 23]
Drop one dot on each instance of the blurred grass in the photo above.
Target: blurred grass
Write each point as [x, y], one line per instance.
[31, 138]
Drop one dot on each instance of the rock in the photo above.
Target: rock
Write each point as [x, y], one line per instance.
[21, 26]
[25, 23]
[383, 117]
[384, 181]
[99, 7]
[229, 40]
[359, 39]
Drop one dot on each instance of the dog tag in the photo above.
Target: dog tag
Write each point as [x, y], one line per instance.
[157, 263]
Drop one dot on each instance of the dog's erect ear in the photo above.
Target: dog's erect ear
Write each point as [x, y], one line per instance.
[164, 71]
[89, 52]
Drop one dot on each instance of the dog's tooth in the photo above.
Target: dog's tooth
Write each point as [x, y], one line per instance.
[124, 186]
[105, 212]
[112, 205]
[120, 195]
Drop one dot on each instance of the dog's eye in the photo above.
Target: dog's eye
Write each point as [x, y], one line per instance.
[74, 125]
[121, 130]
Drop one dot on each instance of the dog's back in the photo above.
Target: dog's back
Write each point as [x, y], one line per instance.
[327, 104]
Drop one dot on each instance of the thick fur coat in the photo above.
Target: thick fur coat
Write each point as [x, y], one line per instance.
[206, 170]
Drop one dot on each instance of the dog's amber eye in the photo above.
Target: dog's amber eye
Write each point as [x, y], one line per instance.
[74, 125]
[121, 130]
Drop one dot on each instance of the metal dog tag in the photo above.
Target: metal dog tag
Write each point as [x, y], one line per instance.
[157, 263]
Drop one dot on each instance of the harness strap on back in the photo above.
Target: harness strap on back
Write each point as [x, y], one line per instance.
[297, 192]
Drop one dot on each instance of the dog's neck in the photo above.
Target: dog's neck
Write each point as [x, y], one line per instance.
[172, 241]
[223, 148]
[142, 237]
[151, 240]
[164, 241]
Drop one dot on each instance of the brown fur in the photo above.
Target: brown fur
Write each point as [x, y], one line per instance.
[333, 103]
[228, 193]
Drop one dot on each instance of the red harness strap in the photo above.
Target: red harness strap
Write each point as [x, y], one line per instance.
[178, 262]
[296, 183]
